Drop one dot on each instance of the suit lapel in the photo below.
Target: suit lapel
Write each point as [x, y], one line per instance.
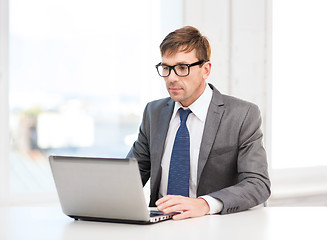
[214, 115]
[159, 142]
[163, 124]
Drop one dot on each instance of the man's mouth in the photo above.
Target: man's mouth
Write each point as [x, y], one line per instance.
[175, 89]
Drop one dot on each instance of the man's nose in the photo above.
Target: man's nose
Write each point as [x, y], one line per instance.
[172, 76]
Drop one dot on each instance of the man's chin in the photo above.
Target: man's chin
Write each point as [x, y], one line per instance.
[175, 97]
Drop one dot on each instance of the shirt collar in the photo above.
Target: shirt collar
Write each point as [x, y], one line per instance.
[200, 106]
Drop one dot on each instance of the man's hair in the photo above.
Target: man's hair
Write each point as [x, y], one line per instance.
[186, 39]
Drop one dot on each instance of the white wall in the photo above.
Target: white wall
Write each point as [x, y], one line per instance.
[240, 35]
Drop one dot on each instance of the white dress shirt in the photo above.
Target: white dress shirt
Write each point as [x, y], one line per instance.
[195, 124]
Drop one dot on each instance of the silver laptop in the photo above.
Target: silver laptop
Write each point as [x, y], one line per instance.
[102, 189]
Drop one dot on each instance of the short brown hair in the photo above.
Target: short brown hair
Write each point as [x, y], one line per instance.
[186, 39]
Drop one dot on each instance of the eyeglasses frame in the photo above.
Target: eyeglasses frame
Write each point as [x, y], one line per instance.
[173, 67]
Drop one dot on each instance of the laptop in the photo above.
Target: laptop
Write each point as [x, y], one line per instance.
[102, 189]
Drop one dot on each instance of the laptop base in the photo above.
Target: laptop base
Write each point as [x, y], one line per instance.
[96, 219]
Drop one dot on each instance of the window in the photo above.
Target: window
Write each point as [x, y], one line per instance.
[80, 73]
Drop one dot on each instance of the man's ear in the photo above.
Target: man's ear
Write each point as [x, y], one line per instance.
[206, 70]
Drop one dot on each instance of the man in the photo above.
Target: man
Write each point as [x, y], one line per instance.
[201, 150]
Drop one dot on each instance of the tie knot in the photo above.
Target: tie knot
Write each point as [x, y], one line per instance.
[183, 114]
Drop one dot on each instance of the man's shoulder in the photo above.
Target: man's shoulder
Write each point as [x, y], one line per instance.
[159, 103]
[230, 101]
[240, 108]
[234, 104]
[234, 101]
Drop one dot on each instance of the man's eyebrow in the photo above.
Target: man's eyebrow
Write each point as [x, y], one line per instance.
[163, 63]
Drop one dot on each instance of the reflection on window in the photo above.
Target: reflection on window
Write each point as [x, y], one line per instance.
[74, 86]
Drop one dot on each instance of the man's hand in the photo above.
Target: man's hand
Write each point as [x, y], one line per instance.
[189, 207]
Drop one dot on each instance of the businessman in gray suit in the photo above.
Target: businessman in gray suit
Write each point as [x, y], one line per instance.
[219, 151]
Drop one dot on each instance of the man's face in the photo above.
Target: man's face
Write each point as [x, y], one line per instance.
[186, 90]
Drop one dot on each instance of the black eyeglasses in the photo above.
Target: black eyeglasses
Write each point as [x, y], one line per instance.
[181, 70]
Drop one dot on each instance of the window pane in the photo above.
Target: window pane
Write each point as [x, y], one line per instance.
[74, 86]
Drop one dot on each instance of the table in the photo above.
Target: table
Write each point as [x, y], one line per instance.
[48, 222]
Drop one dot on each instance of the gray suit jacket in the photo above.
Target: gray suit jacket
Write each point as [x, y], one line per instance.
[232, 164]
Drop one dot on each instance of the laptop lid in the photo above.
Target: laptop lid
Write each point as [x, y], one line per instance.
[105, 189]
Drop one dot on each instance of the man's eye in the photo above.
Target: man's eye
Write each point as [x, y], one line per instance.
[182, 67]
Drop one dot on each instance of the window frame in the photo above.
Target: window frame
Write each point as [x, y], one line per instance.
[4, 104]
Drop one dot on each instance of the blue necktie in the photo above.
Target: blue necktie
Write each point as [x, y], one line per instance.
[179, 170]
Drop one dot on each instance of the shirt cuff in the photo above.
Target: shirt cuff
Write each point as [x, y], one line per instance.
[215, 205]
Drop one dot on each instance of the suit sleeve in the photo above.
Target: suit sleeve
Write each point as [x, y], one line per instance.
[253, 186]
[140, 149]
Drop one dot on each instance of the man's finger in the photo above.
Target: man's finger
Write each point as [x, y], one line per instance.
[173, 208]
[164, 199]
[169, 200]
[168, 204]
[183, 215]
